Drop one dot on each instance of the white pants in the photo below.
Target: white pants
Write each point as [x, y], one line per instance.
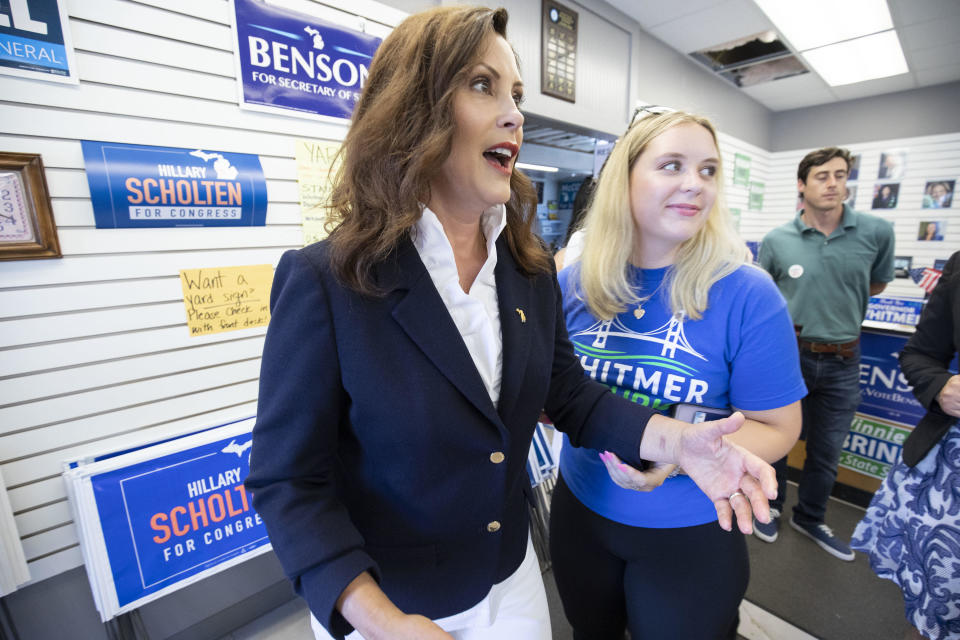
[515, 608]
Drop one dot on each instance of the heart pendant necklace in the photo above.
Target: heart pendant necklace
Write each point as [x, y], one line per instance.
[639, 312]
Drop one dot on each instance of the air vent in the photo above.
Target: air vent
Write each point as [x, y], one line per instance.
[752, 60]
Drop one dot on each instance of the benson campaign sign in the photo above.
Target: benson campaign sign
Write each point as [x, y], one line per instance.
[145, 186]
[885, 392]
[161, 517]
[888, 409]
[294, 62]
[35, 41]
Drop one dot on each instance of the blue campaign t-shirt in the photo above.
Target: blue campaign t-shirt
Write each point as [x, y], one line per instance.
[742, 353]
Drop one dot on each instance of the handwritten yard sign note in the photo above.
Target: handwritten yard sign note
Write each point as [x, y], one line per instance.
[226, 298]
[316, 166]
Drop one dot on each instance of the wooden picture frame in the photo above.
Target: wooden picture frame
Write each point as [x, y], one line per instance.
[27, 228]
[559, 26]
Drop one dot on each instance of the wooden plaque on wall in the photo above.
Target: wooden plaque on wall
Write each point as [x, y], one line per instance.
[558, 53]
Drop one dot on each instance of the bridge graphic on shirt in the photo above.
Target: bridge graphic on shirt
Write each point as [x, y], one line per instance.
[670, 335]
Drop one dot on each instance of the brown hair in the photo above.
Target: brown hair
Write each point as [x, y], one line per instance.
[819, 157]
[400, 135]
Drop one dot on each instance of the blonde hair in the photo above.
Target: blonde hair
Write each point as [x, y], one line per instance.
[715, 251]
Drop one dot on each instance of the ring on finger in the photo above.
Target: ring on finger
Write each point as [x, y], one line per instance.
[734, 495]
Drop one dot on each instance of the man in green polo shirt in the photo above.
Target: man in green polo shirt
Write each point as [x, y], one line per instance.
[827, 262]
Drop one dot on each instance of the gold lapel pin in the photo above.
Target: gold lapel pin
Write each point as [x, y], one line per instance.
[523, 318]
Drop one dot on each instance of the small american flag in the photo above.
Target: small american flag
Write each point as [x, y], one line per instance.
[925, 277]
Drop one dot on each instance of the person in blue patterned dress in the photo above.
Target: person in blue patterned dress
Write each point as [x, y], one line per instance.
[912, 529]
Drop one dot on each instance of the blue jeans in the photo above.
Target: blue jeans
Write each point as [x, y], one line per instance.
[833, 395]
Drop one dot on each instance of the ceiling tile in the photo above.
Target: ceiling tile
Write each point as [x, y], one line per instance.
[908, 12]
[730, 20]
[791, 93]
[902, 82]
[651, 13]
[924, 35]
[936, 56]
[939, 75]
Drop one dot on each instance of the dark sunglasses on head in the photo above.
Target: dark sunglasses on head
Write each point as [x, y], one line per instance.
[643, 111]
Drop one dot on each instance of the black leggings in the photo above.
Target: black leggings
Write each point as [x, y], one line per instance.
[685, 582]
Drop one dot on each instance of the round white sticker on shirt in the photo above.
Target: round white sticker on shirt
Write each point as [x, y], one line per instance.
[795, 270]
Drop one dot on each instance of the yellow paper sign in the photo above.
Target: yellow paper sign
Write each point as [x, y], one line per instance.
[226, 298]
[315, 171]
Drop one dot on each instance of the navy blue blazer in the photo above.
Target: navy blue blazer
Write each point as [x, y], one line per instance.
[376, 446]
[926, 356]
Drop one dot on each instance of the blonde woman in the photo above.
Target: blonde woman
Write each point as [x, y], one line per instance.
[662, 308]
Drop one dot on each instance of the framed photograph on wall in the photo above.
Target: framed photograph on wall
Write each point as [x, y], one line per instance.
[901, 266]
[931, 230]
[938, 194]
[854, 169]
[27, 228]
[893, 164]
[885, 195]
[851, 195]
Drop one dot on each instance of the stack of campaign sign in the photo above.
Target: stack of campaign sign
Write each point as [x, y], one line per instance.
[156, 518]
[542, 468]
[13, 563]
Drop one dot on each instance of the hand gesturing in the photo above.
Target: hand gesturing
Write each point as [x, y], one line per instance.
[737, 481]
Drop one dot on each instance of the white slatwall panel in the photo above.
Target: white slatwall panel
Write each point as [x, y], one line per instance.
[737, 195]
[37, 495]
[94, 349]
[928, 158]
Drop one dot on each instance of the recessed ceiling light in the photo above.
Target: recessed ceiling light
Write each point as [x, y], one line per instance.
[536, 167]
[814, 23]
[875, 56]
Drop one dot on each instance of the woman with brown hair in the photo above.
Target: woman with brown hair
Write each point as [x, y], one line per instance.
[410, 354]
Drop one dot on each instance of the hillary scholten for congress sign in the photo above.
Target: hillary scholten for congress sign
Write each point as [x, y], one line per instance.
[145, 186]
[35, 41]
[170, 518]
[294, 62]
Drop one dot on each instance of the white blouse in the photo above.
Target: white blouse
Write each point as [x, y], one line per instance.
[476, 314]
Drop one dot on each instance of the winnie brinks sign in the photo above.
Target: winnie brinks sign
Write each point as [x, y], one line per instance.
[145, 186]
[290, 62]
